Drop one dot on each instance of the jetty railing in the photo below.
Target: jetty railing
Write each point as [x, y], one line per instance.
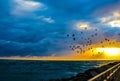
[106, 75]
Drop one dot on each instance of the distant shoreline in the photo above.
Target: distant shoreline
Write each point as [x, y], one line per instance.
[58, 60]
[39, 59]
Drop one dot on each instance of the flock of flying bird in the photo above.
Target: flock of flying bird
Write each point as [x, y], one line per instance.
[88, 42]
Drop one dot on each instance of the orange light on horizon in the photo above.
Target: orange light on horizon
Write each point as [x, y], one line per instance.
[109, 51]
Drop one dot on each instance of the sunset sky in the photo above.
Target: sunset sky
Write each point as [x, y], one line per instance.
[39, 28]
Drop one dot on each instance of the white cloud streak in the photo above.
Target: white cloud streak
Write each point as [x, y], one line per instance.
[20, 7]
[112, 20]
[46, 19]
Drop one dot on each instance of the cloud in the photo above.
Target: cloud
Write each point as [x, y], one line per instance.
[21, 7]
[112, 20]
[114, 23]
[116, 15]
[46, 19]
[82, 25]
[110, 7]
[39, 27]
[49, 20]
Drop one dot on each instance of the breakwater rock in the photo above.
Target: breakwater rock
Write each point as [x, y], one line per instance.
[87, 74]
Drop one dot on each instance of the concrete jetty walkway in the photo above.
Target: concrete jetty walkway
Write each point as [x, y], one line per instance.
[117, 76]
[111, 74]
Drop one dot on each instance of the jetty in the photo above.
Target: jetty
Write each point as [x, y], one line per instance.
[109, 72]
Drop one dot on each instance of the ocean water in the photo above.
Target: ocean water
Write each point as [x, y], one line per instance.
[20, 70]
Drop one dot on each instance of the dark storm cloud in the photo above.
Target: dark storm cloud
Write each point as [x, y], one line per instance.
[75, 9]
[39, 27]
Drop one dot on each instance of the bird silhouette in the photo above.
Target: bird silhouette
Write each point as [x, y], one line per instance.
[96, 34]
[73, 35]
[95, 29]
[67, 35]
[74, 39]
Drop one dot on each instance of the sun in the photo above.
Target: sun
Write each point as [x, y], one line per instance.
[109, 51]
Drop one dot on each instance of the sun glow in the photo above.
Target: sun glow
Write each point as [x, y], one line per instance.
[109, 51]
[82, 25]
[115, 23]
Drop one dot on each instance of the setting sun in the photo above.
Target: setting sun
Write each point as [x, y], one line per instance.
[109, 51]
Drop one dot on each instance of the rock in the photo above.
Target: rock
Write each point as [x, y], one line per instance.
[88, 74]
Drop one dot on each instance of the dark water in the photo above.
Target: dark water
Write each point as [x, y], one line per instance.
[12, 70]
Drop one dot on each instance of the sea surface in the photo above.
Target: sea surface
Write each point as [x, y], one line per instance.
[22, 70]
